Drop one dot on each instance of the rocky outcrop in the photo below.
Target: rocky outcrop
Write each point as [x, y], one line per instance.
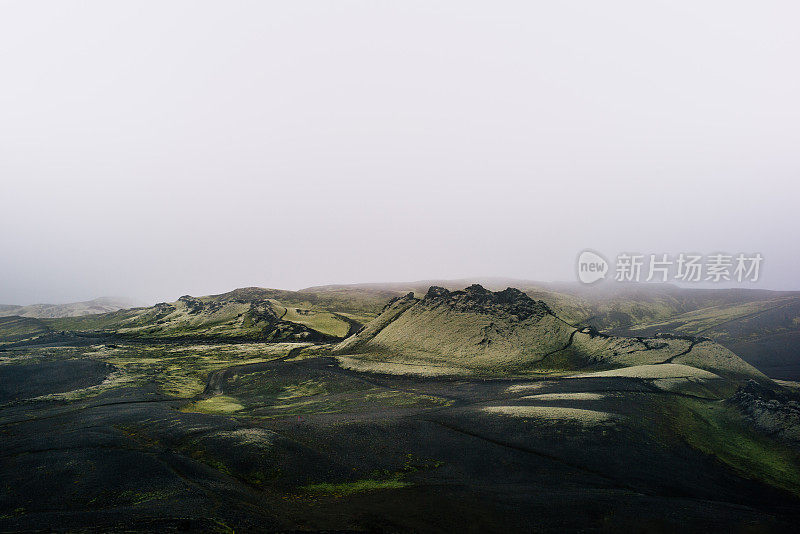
[241, 315]
[770, 409]
[510, 302]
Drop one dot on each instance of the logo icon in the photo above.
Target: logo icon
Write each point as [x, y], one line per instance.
[591, 267]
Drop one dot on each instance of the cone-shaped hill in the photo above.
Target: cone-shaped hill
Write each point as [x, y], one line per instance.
[477, 330]
[474, 326]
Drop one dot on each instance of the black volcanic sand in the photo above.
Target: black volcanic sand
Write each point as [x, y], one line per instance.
[43, 378]
[130, 460]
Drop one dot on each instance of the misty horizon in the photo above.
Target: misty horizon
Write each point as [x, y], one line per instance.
[493, 281]
[362, 266]
[290, 146]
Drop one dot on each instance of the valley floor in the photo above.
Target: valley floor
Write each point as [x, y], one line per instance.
[258, 437]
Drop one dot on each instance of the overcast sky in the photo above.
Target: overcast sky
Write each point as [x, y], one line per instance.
[154, 149]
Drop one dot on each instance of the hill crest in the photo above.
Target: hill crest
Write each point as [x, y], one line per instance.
[478, 330]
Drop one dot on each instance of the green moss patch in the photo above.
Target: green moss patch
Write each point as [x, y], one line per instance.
[219, 405]
[357, 486]
[717, 429]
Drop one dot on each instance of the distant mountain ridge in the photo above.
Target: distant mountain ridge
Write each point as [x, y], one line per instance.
[761, 326]
[72, 309]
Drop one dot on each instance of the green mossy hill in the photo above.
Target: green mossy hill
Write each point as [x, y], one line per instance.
[473, 328]
[18, 329]
[507, 332]
[760, 326]
[246, 314]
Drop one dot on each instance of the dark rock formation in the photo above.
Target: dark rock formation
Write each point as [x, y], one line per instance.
[478, 299]
[772, 410]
